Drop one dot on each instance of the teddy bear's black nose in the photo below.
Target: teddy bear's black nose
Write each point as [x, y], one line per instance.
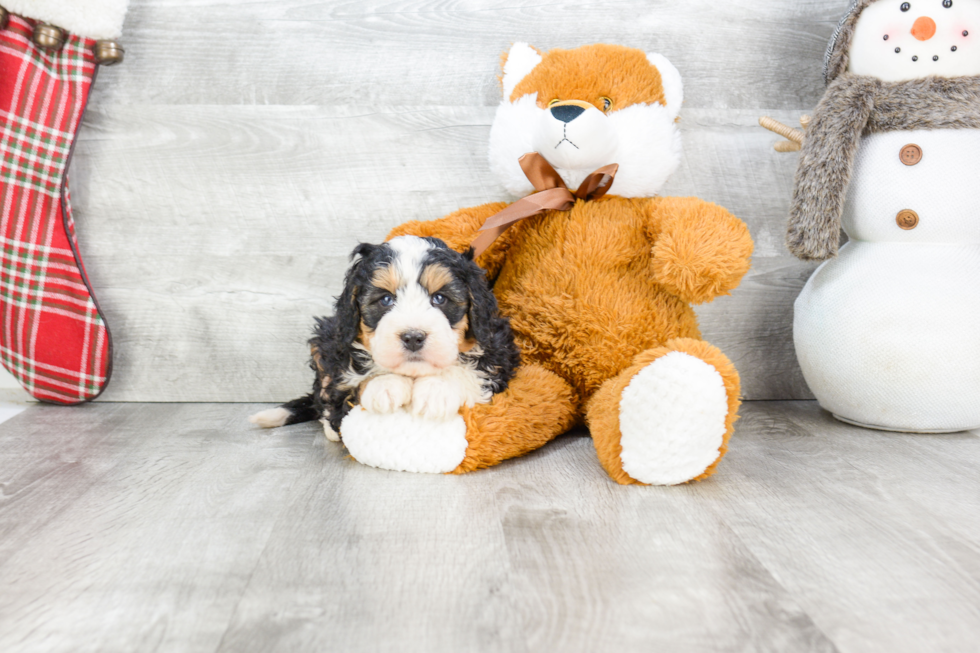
[567, 112]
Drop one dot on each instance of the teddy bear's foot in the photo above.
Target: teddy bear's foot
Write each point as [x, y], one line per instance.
[536, 407]
[672, 420]
[402, 442]
[667, 419]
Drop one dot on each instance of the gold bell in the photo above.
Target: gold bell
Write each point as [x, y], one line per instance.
[108, 53]
[4, 17]
[48, 36]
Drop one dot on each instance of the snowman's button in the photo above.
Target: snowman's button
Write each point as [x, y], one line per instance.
[911, 154]
[907, 219]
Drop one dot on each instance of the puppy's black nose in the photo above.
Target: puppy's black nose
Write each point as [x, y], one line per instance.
[567, 112]
[414, 340]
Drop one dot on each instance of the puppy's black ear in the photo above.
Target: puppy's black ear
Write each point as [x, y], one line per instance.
[500, 357]
[483, 305]
[347, 311]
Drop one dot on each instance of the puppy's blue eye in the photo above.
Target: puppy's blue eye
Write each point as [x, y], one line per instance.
[387, 300]
[438, 299]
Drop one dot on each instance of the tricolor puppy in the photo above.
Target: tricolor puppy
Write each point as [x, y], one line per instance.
[416, 328]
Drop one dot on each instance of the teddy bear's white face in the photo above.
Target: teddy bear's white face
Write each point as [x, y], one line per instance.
[588, 108]
[899, 40]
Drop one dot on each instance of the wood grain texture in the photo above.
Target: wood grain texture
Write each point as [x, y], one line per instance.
[738, 54]
[224, 172]
[181, 528]
[238, 228]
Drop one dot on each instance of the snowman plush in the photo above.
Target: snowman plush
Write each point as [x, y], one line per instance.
[888, 330]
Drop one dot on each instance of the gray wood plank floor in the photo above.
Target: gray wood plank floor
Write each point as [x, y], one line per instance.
[159, 527]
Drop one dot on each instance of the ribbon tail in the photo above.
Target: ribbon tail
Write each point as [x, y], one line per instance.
[486, 238]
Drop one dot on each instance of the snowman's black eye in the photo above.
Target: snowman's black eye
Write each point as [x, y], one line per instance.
[936, 58]
[965, 33]
[947, 3]
[906, 6]
[954, 48]
[898, 50]
[915, 58]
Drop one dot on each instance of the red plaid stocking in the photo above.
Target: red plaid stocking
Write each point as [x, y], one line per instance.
[53, 337]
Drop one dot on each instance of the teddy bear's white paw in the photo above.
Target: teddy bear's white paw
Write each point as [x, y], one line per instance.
[435, 398]
[672, 420]
[386, 394]
[402, 442]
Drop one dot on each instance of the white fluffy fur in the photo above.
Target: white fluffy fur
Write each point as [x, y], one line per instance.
[440, 397]
[672, 416]
[97, 19]
[648, 147]
[402, 442]
[271, 418]
[387, 393]
[671, 79]
[872, 55]
[582, 144]
[521, 60]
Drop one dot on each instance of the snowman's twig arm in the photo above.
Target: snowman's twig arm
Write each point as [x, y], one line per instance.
[790, 134]
[700, 250]
[458, 230]
[826, 163]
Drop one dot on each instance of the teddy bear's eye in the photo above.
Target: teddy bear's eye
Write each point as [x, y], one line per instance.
[606, 103]
[554, 102]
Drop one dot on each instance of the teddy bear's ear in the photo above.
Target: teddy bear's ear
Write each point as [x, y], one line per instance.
[671, 79]
[517, 63]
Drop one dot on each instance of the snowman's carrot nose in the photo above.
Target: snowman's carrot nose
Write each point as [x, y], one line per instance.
[924, 28]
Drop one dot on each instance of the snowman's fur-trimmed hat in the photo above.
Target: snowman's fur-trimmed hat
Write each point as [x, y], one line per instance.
[838, 51]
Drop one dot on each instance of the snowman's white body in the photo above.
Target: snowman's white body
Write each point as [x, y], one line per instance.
[888, 333]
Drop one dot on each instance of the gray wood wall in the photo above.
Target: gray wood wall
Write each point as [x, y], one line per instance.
[225, 170]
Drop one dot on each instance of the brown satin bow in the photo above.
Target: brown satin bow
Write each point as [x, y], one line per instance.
[552, 195]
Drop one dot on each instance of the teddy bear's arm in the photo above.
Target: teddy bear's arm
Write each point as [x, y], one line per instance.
[458, 230]
[700, 250]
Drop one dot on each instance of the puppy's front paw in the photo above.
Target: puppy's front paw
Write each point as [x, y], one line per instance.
[435, 398]
[386, 394]
[328, 431]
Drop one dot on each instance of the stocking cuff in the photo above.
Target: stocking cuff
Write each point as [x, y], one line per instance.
[95, 19]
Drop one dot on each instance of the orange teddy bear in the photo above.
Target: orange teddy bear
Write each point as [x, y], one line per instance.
[599, 294]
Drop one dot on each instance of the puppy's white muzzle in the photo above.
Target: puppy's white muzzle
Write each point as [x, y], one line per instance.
[575, 137]
[439, 350]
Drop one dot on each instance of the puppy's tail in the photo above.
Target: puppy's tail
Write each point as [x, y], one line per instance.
[296, 411]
